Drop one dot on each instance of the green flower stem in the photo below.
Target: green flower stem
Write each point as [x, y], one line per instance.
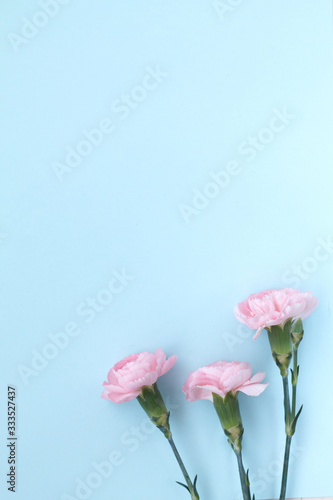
[191, 487]
[287, 420]
[286, 401]
[243, 477]
[152, 403]
[290, 419]
[294, 383]
[285, 468]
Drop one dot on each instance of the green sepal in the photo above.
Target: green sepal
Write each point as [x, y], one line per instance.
[279, 337]
[297, 333]
[152, 402]
[227, 409]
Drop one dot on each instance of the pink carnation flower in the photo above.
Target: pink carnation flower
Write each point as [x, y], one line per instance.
[222, 377]
[274, 307]
[128, 376]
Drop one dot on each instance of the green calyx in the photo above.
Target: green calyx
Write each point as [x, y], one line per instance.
[227, 409]
[279, 337]
[297, 333]
[152, 402]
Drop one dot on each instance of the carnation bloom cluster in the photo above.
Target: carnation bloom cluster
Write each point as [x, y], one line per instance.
[281, 313]
[222, 377]
[274, 307]
[127, 377]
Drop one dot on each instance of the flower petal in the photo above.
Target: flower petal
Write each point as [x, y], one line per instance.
[253, 389]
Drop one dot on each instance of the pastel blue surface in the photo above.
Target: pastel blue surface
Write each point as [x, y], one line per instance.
[160, 162]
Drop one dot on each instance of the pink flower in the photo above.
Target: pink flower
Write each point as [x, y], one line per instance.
[128, 376]
[274, 307]
[222, 377]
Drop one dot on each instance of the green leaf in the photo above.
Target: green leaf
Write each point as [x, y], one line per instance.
[195, 485]
[294, 422]
[182, 484]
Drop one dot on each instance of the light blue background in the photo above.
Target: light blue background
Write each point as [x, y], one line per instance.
[121, 209]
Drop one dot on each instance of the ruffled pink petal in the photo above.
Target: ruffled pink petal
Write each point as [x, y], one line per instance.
[114, 388]
[258, 332]
[201, 392]
[253, 389]
[137, 384]
[258, 377]
[120, 398]
[112, 379]
[125, 361]
[168, 364]
[137, 372]
[160, 358]
[208, 375]
[236, 380]
[218, 363]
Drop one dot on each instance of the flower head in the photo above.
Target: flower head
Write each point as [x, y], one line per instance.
[221, 378]
[274, 307]
[127, 377]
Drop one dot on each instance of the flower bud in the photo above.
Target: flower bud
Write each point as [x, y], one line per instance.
[152, 402]
[280, 341]
[227, 409]
[297, 333]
